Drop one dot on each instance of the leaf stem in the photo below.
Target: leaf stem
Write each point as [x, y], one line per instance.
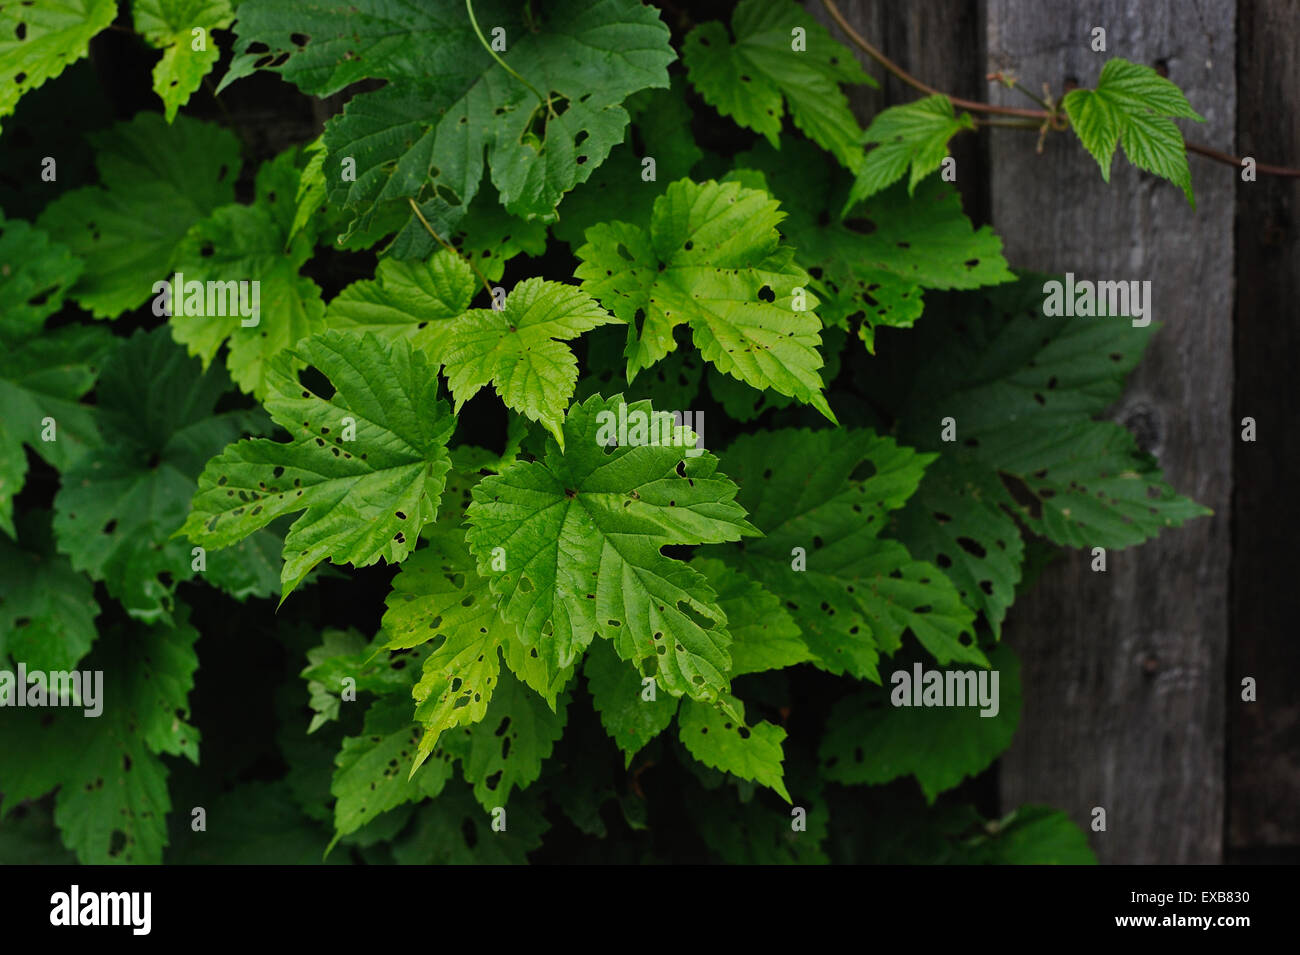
[448, 246]
[469, 7]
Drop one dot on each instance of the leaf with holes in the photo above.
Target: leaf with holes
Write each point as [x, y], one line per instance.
[764, 635]
[367, 465]
[713, 259]
[504, 751]
[120, 502]
[719, 740]
[38, 41]
[157, 181]
[583, 532]
[875, 264]
[881, 733]
[618, 695]
[370, 775]
[112, 802]
[448, 101]
[169, 25]
[780, 57]
[35, 275]
[823, 498]
[47, 609]
[251, 295]
[405, 299]
[1023, 388]
[1133, 105]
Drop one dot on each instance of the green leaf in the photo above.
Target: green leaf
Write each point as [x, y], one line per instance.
[515, 349]
[406, 299]
[119, 503]
[1023, 388]
[112, 801]
[345, 655]
[47, 609]
[718, 741]
[504, 751]
[876, 263]
[616, 693]
[168, 25]
[915, 134]
[157, 181]
[713, 259]
[764, 636]
[873, 738]
[448, 102]
[1030, 835]
[366, 493]
[582, 533]
[1132, 105]
[619, 189]
[35, 275]
[41, 380]
[248, 244]
[753, 78]
[453, 830]
[37, 42]
[850, 592]
[370, 777]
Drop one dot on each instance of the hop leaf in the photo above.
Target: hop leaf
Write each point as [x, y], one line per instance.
[169, 26]
[722, 741]
[916, 135]
[712, 258]
[1133, 104]
[754, 78]
[37, 42]
[583, 532]
[448, 101]
[365, 497]
[856, 593]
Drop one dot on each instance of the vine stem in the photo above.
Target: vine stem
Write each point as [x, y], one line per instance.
[1053, 117]
[469, 8]
[448, 246]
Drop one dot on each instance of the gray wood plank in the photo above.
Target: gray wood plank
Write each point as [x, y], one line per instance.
[1264, 736]
[1123, 671]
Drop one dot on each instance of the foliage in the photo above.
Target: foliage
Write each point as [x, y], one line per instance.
[583, 510]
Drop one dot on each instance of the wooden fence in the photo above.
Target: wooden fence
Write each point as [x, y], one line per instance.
[1132, 678]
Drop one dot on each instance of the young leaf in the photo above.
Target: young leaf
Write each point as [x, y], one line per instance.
[851, 593]
[871, 739]
[914, 134]
[712, 258]
[169, 25]
[367, 466]
[770, 65]
[157, 182]
[582, 533]
[1132, 104]
[718, 741]
[37, 42]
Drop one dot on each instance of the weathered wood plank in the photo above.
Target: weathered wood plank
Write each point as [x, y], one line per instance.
[1264, 737]
[1123, 671]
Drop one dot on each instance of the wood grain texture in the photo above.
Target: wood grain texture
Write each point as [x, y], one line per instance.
[1124, 670]
[1264, 737]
